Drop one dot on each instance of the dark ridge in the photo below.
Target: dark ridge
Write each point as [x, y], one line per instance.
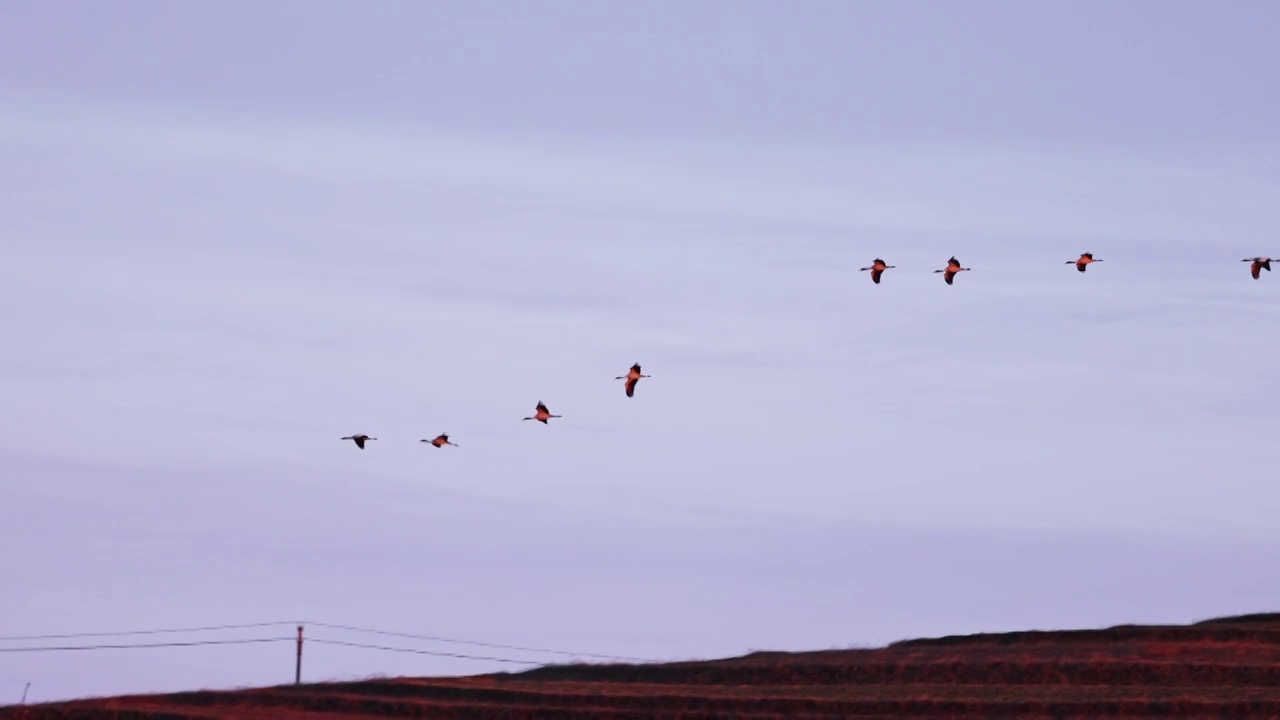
[1255, 618]
[1216, 630]
[49, 712]
[1220, 668]
[1183, 708]
[1010, 672]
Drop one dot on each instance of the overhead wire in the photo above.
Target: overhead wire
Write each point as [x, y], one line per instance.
[314, 623]
[470, 642]
[191, 643]
[422, 652]
[147, 632]
[323, 641]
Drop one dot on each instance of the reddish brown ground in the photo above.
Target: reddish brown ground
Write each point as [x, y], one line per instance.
[1228, 668]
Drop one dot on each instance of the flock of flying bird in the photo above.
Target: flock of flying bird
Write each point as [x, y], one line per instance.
[877, 268]
[541, 413]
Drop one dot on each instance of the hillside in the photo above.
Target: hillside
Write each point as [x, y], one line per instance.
[1223, 668]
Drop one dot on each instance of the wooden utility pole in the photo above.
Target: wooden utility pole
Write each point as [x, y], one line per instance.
[24, 694]
[297, 670]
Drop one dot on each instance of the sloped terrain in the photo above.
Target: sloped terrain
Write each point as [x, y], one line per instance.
[1225, 668]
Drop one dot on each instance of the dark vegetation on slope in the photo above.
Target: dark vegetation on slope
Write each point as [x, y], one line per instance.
[1221, 668]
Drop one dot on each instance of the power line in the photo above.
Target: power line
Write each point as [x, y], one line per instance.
[333, 625]
[470, 642]
[51, 648]
[422, 652]
[145, 632]
[413, 636]
[145, 645]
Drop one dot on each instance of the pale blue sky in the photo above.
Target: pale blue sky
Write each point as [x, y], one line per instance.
[235, 233]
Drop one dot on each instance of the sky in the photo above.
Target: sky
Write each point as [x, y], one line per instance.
[237, 232]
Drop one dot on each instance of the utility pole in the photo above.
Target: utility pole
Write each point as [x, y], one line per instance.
[297, 671]
[24, 694]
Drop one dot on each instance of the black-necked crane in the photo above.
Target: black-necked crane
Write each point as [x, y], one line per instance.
[440, 441]
[1259, 264]
[877, 269]
[1083, 261]
[359, 439]
[953, 267]
[632, 377]
[542, 414]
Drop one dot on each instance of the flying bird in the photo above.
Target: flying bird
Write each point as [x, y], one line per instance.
[359, 439]
[632, 378]
[440, 441]
[1259, 264]
[1085, 259]
[877, 269]
[542, 414]
[953, 267]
